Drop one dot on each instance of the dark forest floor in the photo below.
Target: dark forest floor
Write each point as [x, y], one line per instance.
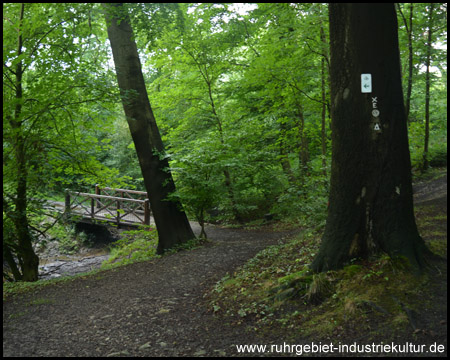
[159, 308]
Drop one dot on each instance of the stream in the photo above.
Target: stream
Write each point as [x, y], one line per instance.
[53, 263]
[68, 266]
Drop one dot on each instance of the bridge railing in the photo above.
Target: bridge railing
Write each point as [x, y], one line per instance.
[123, 193]
[120, 210]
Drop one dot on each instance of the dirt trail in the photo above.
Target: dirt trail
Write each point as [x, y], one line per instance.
[148, 309]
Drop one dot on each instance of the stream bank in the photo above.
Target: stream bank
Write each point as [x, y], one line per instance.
[54, 263]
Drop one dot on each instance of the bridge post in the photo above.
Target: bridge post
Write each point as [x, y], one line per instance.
[67, 205]
[97, 192]
[118, 213]
[147, 212]
[93, 207]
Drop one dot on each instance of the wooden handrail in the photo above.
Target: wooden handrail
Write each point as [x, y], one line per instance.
[95, 196]
[124, 190]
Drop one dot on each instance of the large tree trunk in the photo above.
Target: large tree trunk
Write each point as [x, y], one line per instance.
[171, 221]
[371, 203]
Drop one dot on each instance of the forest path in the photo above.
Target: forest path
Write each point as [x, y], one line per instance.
[153, 308]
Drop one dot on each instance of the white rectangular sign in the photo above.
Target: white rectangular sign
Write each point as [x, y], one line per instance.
[366, 83]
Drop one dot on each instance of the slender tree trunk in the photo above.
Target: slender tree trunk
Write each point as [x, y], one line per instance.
[324, 105]
[8, 256]
[371, 203]
[171, 221]
[226, 172]
[28, 260]
[410, 63]
[425, 163]
[201, 222]
[304, 149]
[284, 154]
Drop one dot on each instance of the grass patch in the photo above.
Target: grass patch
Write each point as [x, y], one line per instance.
[141, 245]
[134, 246]
[11, 289]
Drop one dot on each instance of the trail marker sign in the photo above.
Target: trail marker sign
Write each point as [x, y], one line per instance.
[366, 83]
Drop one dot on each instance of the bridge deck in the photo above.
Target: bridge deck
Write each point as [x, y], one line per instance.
[102, 215]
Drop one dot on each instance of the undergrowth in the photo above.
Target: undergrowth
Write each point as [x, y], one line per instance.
[276, 291]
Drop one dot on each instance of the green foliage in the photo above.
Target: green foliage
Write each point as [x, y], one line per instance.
[64, 99]
[239, 93]
[196, 176]
[122, 155]
[230, 99]
[420, 14]
[58, 103]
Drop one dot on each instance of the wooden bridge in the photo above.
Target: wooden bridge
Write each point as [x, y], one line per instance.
[119, 206]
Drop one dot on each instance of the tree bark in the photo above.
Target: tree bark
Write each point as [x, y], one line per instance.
[323, 131]
[371, 203]
[410, 62]
[408, 27]
[171, 221]
[425, 163]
